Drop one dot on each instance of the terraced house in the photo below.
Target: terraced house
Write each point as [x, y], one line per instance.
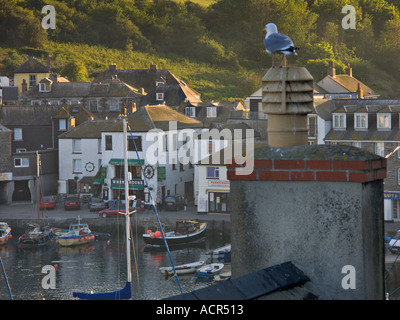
[372, 125]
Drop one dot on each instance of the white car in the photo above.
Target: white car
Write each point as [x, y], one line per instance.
[394, 244]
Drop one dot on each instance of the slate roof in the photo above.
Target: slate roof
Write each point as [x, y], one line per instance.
[90, 129]
[370, 106]
[32, 65]
[175, 90]
[151, 117]
[346, 82]
[10, 94]
[255, 285]
[27, 115]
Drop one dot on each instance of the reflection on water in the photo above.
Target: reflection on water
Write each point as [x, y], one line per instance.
[100, 267]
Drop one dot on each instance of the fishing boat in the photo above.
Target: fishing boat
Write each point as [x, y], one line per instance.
[125, 292]
[222, 253]
[37, 235]
[186, 231]
[183, 268]
[5, 233]
[78, 234]
[209, 270]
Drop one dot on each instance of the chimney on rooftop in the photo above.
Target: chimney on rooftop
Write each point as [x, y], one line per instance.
[112, 67]
[332, 70]
[349, 70]
[360, 92]
[287, 98]
[153, 66]
[48, 62]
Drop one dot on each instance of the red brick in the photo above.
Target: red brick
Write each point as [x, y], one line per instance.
[380, 174]
[348, 165]
[263, 164]
[377, 164]
[331, 176]
[302, 176]
[232, 175]
[318, 164]
[288, 164]
[357, 177]
[273, 175]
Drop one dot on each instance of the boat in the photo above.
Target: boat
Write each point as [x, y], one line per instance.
[37, 235]
[220, 251]
[78, 234]
[209, 270]
[5, 233]
[126, 291]
[222, 276]
[186, 231]
[183, 268]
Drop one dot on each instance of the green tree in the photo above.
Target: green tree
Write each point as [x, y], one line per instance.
[75, 70]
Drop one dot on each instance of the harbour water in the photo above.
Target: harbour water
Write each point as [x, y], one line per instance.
[100, 266]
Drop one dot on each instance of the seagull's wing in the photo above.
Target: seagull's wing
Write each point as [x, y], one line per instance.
[277, 42]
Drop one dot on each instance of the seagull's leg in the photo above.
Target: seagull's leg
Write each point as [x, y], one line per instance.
[273, 60]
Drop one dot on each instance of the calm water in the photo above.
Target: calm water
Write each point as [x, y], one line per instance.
[100, 267]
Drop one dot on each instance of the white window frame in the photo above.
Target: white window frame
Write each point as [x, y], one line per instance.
[24, 163]
[342, 122]
[216, 172]
[380, 149]
[190, 112]
[113, 105]
[92, 105]
[32, 80]
[19, 150]
[73, 102]
[76, 146]
[77, 166]
[386, 116]
[211, 112]
[44, 87]
[160, 96]
[361, 120]
[18, 134]
[62, 124]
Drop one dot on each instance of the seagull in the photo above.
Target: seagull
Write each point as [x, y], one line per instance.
[275, 42]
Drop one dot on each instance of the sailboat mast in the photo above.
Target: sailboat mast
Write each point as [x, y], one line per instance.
[37, 185]
[127, 219]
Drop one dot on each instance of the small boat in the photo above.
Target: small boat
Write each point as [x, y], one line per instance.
[220, 250]
[78, 233]
[35, 236]
[209, 270]
[5, 233]
[186, 231]
[183, 268]
[223, 276]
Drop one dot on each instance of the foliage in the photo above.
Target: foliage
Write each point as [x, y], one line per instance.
[217, 44]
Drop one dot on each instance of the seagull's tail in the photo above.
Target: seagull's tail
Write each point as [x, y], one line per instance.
[294, 49]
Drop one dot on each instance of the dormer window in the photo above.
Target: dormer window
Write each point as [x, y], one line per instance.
[384, 120]
[339, 121]
[44, 87]
[361, 121]
[211, 112]
[160, 96]
[190, 112]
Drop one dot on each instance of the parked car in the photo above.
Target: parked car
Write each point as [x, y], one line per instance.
[394, 244]
[47, 202]
[72, 202]
[176, 202]
[114, 210]
[97, 204]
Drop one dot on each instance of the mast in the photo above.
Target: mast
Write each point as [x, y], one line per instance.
[127, 219]
[37, 185]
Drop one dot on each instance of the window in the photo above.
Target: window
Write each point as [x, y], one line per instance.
[211, 146]
[76, 146]
[138, 143]
[190, 112]
[108, 142]
[380, 149]
[77, 165]
[62, 123]
[212, 172]
[36, 102]
[92, 105]
[361, 121]
[54, 102]
[32, 80]
[21, 162]
[17, 134]
[160, 96]
[73, 102]
[114, 105]
[44, 87]
[19, 150]
[312, 126]
[211, 112]
[384, 121]
[339, 121]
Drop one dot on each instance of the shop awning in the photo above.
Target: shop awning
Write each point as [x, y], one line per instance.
[122, 187]
[100, 175]
[130, 161]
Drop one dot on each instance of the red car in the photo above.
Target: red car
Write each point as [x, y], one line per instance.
[114, 210]
[47, 202]
[72, 202]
